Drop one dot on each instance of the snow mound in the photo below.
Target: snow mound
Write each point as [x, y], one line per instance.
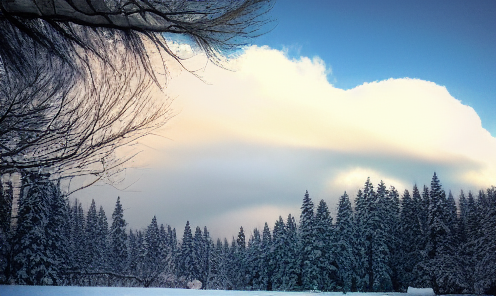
[195, 285]
[420, 291]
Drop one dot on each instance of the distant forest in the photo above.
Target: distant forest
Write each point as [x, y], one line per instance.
[385, 242]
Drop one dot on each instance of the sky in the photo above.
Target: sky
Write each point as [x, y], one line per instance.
[336, 92]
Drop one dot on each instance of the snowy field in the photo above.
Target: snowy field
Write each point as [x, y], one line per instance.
[106, 291]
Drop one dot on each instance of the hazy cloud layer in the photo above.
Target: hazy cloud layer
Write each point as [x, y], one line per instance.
[246, 145]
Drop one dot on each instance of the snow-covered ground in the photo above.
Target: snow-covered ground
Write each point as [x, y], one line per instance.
[106, 291]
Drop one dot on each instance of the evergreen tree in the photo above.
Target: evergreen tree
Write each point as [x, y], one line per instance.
[187, 264]
[345, 243]
[239, 264]
[278, 255]
[292, 259]
[309, 269]
[151, 254]
[57, 233]
[90, 239]
[266, 273]
[324, 253]
[6, 195]
[34, 262]
[118, 239]
[393, 239]
[102, 241]
[76, 238]
[484, 248]
[382, 239]
[411, 230]
[253, 266]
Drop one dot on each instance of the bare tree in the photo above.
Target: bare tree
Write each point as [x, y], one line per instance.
[75, 76]
[67, 27]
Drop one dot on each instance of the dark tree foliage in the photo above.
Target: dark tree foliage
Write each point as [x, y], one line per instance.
[379, 246]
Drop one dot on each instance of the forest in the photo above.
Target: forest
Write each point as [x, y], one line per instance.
[379, 242]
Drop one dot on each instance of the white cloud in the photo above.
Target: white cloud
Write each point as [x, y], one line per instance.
[274, 100]
[246, 144]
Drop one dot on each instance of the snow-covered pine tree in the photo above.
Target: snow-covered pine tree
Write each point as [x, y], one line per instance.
[253, 267]
[224, 269]
[76, 241]
[199, 254]
[239, 249]
[437, 233]
[360, 217]
[151, 255]
[32, 265]
[206, 254]
[292, 258]
[345, 244]
[118, 240]
[392, 210]
[409, 246]
[102, 251]
[57, 233]
[133, 254]
[366, 221]
[173, 249]
[266, 273]
[381, 237]
[278, 255]
[309, 269]
[323, 249]
[5, 233]
[90, 237]
[451, 279]
[485, 247]
[187, 263]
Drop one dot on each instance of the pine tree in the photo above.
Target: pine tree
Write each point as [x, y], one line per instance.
[118, 239]
[90, 238]
[410, 232]
[239, 264]
[382, 239]
[266, 274]
[76, 238]
[151, 254]
[292, 259]
[309, 269]
[278, 255]
[57, 233]
[102, 241]
[484, 250]
[345, 243]
[324, 253]
[187, 264]
[33, 262]
[6, 195]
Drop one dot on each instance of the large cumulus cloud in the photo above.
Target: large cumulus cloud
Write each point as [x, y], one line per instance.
[246, 144]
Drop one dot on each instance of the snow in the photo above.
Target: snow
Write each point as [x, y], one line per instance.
[420, 291]
[111, 291]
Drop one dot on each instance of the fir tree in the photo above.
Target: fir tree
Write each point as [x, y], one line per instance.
[309, 269]
[323, 249]
[102, 241]
[292, 259]
[345, 243]
[90, 238]
[187, 264]
[32, 262]
[277, 257]
[266, 273]
[118, 239]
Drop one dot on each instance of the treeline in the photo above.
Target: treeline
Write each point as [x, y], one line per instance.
[386, 242]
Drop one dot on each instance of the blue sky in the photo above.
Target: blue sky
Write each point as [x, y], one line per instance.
[451, 43]
[337, 92]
